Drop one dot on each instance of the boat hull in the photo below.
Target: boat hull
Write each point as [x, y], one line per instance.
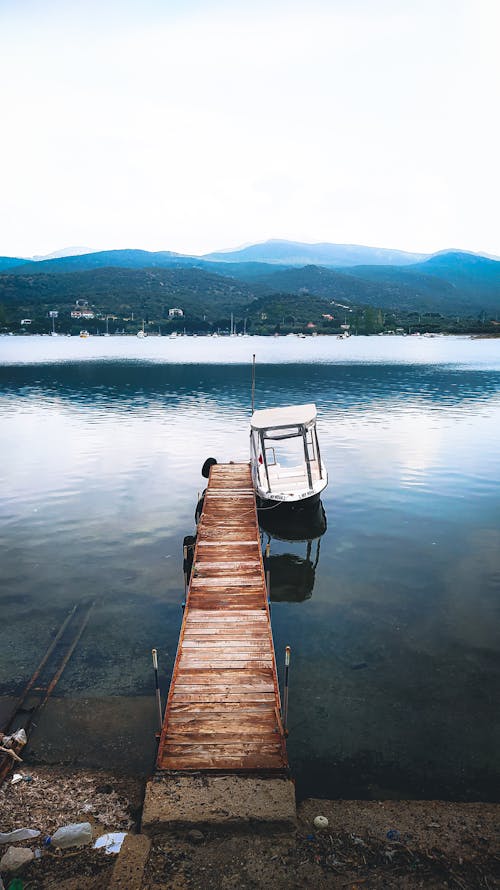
[294, 525]
[300, 506]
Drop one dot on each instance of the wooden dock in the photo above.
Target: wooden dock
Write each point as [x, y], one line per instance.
[223, 709]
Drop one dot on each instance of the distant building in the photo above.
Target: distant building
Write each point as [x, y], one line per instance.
[82, 313]
[175, 313]
[327, 317]
[310, 324]
[345, 327]
[26, 321]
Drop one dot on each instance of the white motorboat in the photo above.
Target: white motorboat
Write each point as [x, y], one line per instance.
[285, 457]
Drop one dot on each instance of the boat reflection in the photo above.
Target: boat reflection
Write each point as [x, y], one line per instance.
[293, 573]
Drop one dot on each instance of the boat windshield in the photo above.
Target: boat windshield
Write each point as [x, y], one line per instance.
[290, 450]
[281, 433]
[287, 457]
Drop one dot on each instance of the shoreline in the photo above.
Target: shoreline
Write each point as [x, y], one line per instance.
[385, 843]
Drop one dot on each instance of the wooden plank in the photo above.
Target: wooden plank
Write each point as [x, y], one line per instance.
[227, 582]
[214, 697]
[225, 638]
[223, 762]
[215, 707]
[234, 543]
[236, 677]
[258, 616]
[260, 723]
[210, 748]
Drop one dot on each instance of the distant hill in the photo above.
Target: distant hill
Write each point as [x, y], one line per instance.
[452, 281]
[448, 283]
[386, 286]
[9, 262]
[132, 259]
[65, 251]
[296, 253]
[145, 291]
[119, 259]
[467, 271]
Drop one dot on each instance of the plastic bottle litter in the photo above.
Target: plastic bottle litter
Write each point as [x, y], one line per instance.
[19, 834]
[74, 835]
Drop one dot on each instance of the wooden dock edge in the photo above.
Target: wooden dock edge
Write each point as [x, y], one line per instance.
[218, 802]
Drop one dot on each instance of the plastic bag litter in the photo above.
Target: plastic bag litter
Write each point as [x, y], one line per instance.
[17, 777]
[112, 841]
[75, 835]
[19, 834]
[18, 736]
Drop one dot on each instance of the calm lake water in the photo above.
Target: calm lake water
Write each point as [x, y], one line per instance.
[392, 615]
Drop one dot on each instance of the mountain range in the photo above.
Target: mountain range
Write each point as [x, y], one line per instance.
[448, 282]
[295, 253]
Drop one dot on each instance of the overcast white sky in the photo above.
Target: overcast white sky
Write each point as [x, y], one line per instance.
[193, 125]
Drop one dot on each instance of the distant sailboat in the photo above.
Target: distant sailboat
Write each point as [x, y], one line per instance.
[142, 332]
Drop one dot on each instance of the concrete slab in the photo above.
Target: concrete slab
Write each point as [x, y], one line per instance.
[128, 871]
[218, 802]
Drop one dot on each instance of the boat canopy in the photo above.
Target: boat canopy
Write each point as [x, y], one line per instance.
[291, 415]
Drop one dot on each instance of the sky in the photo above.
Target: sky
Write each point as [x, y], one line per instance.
[197, 125]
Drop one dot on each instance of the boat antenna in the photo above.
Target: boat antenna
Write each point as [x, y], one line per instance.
[253, 382]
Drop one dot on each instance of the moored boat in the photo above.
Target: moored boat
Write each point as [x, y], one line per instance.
[285, 457]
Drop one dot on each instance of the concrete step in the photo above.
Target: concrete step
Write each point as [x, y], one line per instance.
[218, 802]
[128, 871]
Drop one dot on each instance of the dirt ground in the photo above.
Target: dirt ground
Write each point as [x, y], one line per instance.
[394, 844]
[367, 844]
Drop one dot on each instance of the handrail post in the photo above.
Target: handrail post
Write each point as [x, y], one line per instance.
[154, 653]
[253, 383]
[264, 458]
[308, 462]
[288, 653]
[267, 567]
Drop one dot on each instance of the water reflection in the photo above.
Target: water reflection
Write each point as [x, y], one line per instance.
[292, 574]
